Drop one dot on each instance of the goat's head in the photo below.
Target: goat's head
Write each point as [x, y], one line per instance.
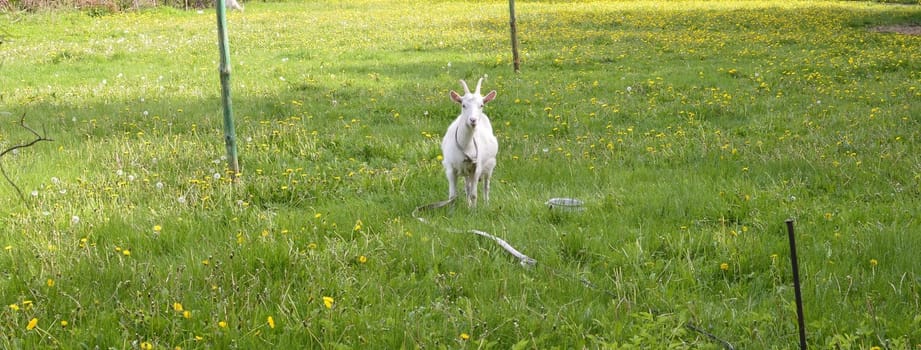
[472, 103]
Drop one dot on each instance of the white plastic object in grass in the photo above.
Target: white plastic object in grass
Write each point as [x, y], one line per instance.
[565, 204]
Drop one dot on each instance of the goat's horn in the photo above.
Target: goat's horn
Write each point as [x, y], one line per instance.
[464, 84]
[478, 86]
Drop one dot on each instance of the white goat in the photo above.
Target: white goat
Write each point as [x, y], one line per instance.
[469, 147]
[234, 5]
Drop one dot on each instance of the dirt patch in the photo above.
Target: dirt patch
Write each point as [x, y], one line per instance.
[907, 29]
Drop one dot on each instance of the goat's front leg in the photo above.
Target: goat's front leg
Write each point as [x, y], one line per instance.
[452, 182]
[470, 187]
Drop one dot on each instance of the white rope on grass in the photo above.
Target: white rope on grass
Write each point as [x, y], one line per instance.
[561, 204]
[524, 260]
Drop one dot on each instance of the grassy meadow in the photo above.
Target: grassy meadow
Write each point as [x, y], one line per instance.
[691, 130]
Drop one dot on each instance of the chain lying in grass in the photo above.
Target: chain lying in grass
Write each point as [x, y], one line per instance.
[38, 138]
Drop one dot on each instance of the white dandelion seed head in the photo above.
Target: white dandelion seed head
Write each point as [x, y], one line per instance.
[34, 193]
[74, 220]
[217, 176]
[181, 199]
[119, 172]
[159, 185]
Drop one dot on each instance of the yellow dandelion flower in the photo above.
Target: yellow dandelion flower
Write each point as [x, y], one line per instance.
[362, 259]
[64, 323]
[357, 225]
[126, 252]
[328, 301]
[317, 215]
[32, 324]
[222, 324]
[464, 336]
[50, 282]
[873, 262]
[724, 267]
[157, 228]
[14, 307]
[146, 346]
[187, 314]
[177, 307]
[271, 322]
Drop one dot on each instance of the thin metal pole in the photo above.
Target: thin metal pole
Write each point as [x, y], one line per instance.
[230, 138]
[514, 28]
[796, 287]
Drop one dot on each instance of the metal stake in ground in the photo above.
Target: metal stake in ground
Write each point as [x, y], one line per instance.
[796, 288]
[230, 137]
[516, 61]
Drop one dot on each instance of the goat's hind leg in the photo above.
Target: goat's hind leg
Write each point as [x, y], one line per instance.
[486, 177]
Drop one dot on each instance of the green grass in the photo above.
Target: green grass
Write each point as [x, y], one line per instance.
[692, 130]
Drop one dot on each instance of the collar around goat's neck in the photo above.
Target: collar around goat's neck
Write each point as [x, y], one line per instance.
[476, 150]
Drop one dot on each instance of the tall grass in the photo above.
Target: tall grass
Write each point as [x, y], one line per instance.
[691, 130]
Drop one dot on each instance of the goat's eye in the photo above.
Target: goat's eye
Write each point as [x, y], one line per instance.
[464, 106]
[481, 106]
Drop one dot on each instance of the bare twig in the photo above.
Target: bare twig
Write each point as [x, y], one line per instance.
[38, 138]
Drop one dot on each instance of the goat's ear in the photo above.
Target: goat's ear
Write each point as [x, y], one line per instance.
[491, 95]
[455, 97]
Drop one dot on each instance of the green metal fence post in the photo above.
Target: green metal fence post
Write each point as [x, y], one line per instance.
[230, 138]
